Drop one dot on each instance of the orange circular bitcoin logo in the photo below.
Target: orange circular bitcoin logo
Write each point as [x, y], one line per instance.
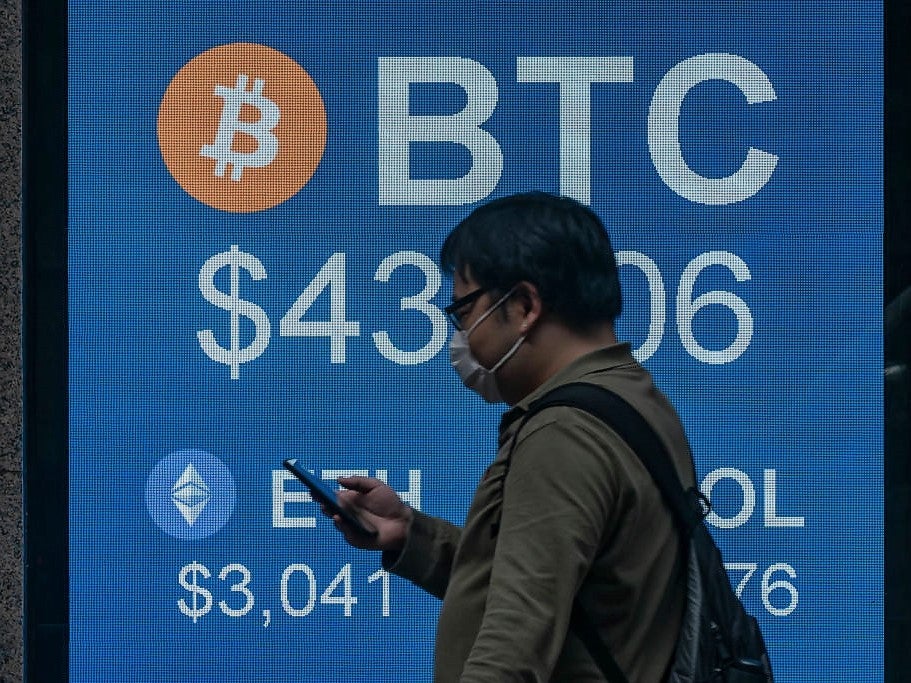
[242, 127]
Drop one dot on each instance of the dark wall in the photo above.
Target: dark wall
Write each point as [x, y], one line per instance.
[10, 357]
[897, 339]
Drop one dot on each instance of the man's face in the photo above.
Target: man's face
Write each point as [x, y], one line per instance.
[493, 336]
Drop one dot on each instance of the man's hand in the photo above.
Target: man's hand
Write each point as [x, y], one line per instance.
[376, 504]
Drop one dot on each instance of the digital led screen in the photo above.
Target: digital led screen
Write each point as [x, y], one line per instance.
[257, 197]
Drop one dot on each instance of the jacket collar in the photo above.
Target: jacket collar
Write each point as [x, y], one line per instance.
[597, 361]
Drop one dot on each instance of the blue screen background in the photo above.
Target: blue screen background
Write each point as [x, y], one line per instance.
[804, 399]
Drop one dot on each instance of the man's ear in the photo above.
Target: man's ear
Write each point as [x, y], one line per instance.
[527, 304]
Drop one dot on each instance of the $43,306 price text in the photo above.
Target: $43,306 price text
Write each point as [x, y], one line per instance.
[332, 276]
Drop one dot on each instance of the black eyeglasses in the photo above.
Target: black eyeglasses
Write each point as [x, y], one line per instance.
[456, 309]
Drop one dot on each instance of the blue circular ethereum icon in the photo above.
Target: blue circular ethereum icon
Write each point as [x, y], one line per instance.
[190, 494]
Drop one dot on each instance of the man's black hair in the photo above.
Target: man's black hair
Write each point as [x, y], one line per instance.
[555, 243]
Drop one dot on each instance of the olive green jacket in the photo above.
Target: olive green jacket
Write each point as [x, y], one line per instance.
[577, 513]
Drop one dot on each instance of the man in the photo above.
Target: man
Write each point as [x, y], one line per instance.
[568, 508]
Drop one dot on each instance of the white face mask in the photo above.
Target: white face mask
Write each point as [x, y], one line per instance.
[474, 375]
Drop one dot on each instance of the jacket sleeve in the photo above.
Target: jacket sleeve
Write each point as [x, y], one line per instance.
[557, 502]
[426, 558]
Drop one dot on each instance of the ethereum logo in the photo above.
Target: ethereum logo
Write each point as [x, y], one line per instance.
[190, 494]
[188, 482]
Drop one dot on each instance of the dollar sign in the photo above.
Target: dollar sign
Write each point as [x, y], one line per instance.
[195, 612]
[230, 123]
[232, 302]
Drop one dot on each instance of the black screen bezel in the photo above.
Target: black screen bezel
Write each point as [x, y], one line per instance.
[45, 335]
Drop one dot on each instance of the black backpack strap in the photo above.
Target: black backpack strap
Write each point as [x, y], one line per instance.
[582, 626]
[686, 507]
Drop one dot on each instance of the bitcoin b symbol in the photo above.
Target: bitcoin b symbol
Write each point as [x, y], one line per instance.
[230, 123]
[202, 119]
[237, 307]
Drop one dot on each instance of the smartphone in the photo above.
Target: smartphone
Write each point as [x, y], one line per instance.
[323, 494]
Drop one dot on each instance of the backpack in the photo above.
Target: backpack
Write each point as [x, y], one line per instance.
[719, 641]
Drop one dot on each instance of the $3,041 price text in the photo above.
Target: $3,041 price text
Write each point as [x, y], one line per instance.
[298, 590]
